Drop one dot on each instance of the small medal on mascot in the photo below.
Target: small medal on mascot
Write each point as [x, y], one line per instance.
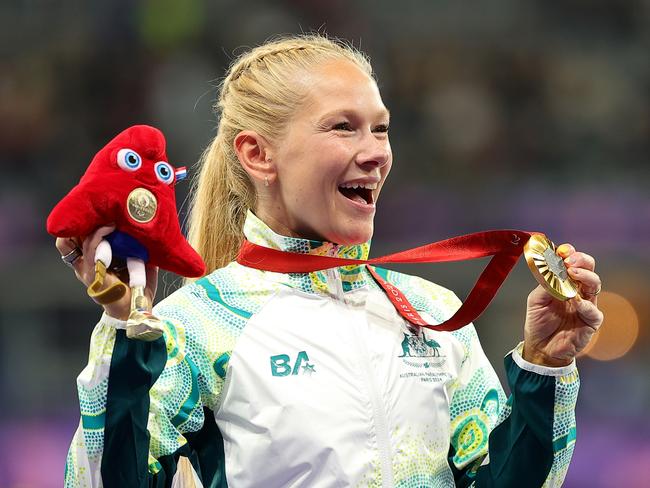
[130, 184]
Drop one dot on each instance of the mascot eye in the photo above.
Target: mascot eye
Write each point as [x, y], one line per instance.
[164, 172]
[129, 160]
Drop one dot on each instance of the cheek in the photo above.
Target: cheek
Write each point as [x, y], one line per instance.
[335, 147]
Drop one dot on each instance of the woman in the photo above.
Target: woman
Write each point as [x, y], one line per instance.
[313, 379]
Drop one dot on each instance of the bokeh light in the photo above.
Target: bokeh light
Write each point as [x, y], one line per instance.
[619, 331]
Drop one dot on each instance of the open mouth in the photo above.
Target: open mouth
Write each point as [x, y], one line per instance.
[359, 192]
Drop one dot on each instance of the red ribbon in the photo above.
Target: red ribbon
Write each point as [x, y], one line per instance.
[504, 245]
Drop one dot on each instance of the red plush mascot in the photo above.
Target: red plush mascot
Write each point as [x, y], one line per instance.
[130, 184]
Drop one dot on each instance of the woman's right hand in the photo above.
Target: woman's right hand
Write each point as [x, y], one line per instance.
[84, 269]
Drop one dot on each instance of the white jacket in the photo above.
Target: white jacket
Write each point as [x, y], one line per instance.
[314, 380]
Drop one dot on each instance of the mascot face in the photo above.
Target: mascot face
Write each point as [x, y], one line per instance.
[141, 204]
[133, 172]
[130, 184]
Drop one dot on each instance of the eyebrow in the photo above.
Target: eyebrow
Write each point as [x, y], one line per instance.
[381, 114]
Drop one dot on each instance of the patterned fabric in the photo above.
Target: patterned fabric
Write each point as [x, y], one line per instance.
[326, 353]
[351, 277]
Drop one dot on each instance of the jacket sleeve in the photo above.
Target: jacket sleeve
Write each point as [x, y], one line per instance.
[527, 440]
[139, 402]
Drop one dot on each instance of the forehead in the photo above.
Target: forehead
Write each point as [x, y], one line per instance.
[338, 86]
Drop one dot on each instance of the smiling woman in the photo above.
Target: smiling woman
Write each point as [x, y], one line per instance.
[287, 108]
[276, 379]
[335, 147]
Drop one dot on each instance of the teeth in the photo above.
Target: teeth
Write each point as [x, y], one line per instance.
[367, 186]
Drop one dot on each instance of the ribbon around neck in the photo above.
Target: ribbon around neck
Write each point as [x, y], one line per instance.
[505, 247]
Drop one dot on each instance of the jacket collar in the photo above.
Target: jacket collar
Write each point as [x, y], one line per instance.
[351, 277]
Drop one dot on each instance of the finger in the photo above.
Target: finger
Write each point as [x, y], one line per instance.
[590, 283]
[589, 313]
[588, 279]
[581, 260]
[565, 250]
[65, 244]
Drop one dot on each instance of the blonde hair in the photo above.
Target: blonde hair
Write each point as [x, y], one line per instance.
[259, 94]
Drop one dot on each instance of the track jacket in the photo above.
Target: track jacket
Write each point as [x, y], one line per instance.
[272, 380]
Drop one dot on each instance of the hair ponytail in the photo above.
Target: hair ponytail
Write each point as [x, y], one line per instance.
[221, 195]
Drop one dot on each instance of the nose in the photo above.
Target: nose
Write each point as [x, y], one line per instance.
[375, 151]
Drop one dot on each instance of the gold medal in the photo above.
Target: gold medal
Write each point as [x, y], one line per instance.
[141, 205]
[548, 268]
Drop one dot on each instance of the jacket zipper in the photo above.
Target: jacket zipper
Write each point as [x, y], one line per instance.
[381, 422]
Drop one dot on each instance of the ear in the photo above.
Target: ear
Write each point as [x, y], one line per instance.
[253, 152]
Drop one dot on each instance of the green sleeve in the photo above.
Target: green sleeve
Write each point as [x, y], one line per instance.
[533, 439]
[141, 410]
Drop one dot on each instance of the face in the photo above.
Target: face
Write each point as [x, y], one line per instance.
[332, 161]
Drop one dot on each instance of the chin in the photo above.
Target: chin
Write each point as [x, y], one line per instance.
[358, 235]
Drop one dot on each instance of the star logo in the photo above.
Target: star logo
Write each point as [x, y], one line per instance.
[309, 369]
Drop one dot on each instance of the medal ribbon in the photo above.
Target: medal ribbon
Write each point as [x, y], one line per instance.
[505, 247]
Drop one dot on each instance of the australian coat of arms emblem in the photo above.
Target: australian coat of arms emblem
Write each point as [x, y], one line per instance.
[420, 351]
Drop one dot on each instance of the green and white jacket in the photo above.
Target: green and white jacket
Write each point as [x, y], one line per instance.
[271, 380]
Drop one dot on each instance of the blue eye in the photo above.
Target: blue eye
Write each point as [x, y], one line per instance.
[129, 160]
[164, 172]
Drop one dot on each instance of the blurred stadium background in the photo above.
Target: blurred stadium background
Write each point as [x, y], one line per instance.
[505, 114]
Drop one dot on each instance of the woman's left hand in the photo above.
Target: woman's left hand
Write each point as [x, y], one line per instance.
[555, 330]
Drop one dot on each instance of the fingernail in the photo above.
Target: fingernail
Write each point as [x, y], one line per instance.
[570, 260]
[574, 270]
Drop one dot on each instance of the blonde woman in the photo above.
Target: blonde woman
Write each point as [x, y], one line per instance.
[274, 379]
